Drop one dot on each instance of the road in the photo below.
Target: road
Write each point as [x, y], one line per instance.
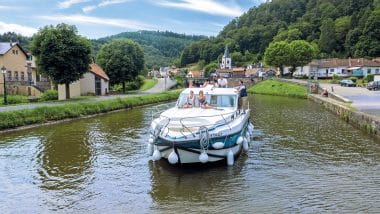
[158, 88]
[362, 98]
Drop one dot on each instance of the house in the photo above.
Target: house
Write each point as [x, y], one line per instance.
[94, 82]
[21, 74]
[327, 68]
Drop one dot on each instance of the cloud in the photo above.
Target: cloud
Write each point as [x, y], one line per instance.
[68, 3]
[204, 6]
[103, 3]
[23, 30]
[81, 19]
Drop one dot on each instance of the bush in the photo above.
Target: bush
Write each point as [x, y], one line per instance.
[16, 99]
[49, 95]
[369, 78]
[335, 79]
[354, 79]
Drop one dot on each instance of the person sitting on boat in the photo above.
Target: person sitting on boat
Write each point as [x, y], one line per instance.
[206, 83]
[202, 99]
[190, 100]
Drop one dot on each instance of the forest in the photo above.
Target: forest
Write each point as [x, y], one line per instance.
[338, 28]
[161, 48]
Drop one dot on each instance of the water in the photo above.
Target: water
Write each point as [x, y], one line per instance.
[303, 159]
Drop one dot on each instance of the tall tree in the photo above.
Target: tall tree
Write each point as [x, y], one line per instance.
[277, 55]
[369, 42]
[61, 54]
[301, 53]
[122, 60]
[327, 40]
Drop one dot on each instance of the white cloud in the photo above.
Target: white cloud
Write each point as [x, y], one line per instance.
[205, 6]
[81, 19]
[23, 30]
[103, 3]
[68, 3]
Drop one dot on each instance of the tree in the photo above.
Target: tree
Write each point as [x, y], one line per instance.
[122, 60]
[301, 53]
[277, 55]
[369, 42]
[61, 54]
[327, 40]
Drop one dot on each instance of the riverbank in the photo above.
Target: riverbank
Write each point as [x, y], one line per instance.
[279, 88]
[40, 115]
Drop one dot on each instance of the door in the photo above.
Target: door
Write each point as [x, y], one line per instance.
[98, 86]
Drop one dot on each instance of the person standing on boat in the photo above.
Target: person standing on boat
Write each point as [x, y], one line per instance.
[222, 82]
[242, 89]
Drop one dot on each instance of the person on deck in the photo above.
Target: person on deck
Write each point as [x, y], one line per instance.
[190, 100]
[222, 82]
[242, 89]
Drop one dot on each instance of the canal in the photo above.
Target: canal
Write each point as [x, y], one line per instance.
[303, 159]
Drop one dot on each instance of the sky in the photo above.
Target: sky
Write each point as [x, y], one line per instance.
[100, 18]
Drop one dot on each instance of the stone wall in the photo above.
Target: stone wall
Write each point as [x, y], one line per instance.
[366, 122]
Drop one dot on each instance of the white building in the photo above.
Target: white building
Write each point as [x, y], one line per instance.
[226, 60]
[94, 82]
[327, 68]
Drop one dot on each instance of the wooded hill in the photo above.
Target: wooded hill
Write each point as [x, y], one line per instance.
[160, 48]
[339, 28]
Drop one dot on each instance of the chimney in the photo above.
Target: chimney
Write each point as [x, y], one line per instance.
[349, 61]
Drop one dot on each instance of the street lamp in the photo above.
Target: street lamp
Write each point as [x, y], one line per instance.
[4, 70]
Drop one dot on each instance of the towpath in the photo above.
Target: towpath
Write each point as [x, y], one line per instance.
[158, 88]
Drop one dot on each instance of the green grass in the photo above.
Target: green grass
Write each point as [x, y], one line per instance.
[14, 99]
[12, 119]
[278, 88]
[148, 84]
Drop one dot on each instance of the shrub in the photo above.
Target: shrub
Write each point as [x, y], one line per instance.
[16, 99]
[49, 95]
[354, 79]
[369, 78]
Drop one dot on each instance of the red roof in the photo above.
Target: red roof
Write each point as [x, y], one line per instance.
[97, 70]
[334, 62]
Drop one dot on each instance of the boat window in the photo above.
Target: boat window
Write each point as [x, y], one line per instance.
[182, 100]
[223, 100]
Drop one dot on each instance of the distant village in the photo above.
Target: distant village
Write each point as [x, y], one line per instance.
[320, 68]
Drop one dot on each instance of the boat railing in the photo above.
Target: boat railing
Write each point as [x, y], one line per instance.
[190, 128]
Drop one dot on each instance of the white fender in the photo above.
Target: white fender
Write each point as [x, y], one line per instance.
[218, 145]
[239, 140]
[203, 157]
[173, 158]
[230, 158]
[150, 149]
[151, 141]
[245, 145]
[156, 154]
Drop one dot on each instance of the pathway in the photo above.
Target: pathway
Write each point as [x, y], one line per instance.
[158, 88]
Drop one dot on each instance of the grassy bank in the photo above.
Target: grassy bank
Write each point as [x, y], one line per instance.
[278, 88]
[12, 119]
[148, 84]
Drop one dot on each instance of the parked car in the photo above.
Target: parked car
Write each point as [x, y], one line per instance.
[374, 85]
[348, 83]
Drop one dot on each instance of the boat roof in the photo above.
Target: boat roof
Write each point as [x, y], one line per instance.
[212, 90]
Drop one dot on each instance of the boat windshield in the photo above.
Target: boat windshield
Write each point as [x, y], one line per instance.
[219, 101]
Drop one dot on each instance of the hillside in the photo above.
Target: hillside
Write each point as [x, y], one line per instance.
[340, 28]
[160, 48]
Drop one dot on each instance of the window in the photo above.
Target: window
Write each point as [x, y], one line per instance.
[377, 71]
[16, 75]
[223, 100]
[369, 71]
[9, 75]
[22, 76]
[332, 70]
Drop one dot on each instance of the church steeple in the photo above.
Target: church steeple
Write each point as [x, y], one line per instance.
[226, 60]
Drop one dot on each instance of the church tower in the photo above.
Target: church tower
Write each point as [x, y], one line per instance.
[226, 60]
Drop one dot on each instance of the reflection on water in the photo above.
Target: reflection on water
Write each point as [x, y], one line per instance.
[303, 159]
